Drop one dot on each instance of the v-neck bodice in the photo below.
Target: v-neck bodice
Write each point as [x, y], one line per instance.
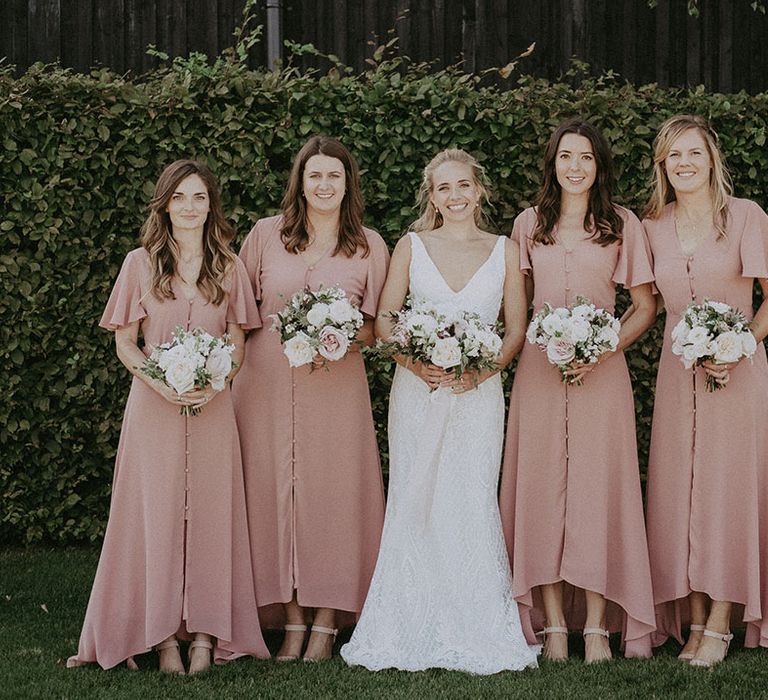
[482, 294]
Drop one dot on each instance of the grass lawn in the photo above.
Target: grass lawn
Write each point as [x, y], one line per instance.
[43, 594]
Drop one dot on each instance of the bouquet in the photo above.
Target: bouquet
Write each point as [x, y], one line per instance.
[191, 360]
[712, 331]
[457, 340]
[576, 335]
[320, 323]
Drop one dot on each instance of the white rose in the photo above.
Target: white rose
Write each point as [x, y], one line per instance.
[341, 311]
[533, 331]
[181, 374]
[579, 329]
[298, 350]
[218, 365]
[318, 313]
[560, 351]
[680, 331]
[491, 343]
[446, 353]
[172, 356]
[552, 323]
[691, 353]
[748, 343]
[609, 336]
[728, 347]
[719, 306]
[421, 324]
[333, 343]
[582, 311]
[698, 336]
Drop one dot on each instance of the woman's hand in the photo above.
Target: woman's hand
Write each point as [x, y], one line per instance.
[468, 380]
[579, 370]
[720, 372]
[197, 398]
[432, 375]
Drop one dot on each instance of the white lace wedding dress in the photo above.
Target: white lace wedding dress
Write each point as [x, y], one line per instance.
[441, 595]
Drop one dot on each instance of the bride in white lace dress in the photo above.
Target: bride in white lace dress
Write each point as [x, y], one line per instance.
[441, 595]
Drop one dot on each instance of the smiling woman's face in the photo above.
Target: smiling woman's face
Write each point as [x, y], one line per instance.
[688, 164]
[189, 204]
[324, 183]
[575, 164]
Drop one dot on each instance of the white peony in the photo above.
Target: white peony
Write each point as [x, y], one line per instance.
[560, 351]
[298, 350]
[180, 374]
[680, 331]
[583, 311]
[333, 343]
[719, 306]
[609, 336]
[218, 365]
[748, 343]
[419, 324]
[318, 313]
[552, 323]
[579, 329]
[691, 353]
[728, 347]
[172, 356]
[446, 353]
[341, 311]
[533, 330]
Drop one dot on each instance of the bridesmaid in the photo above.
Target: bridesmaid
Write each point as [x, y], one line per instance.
[708, 468]
[312, 475]
[175, 560]
[570, 494]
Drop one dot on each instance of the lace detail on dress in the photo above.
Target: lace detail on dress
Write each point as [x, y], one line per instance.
[441, 595]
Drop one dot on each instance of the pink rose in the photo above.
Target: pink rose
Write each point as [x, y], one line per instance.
[333, 343]
[560, 351]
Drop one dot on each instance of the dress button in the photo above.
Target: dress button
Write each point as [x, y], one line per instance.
[186, 471]
[186, 507]
[567, 289]
[311, 267]
[187, 452]
[187, 434]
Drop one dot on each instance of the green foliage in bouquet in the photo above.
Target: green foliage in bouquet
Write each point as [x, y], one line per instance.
[81, 153]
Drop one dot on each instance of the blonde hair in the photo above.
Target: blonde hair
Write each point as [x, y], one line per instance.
[429, 218]
[720, 186]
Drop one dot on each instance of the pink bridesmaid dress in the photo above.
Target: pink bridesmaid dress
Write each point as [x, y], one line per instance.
[312, 475]
[570, 500]
[176, 557]
[708, 467]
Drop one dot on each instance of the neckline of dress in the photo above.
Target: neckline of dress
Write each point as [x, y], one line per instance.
[704, 239]
[442, 276]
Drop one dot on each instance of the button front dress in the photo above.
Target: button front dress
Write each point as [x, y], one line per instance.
[313, 480]
[176, 557]
[570, 496]
[708, 466]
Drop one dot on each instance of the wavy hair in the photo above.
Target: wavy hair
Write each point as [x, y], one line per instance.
[429, 217]
[602, 217]
[720, 186]
[294, 233]
[157, 235]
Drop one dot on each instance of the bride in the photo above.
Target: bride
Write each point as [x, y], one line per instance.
[441, 595]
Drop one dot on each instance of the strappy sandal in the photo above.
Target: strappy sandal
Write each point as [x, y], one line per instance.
[701, 663]
[170, 644]
[200, 644]
[601, 632]
[555, 630]
[322, 630]
[688, 655]
[291, 628]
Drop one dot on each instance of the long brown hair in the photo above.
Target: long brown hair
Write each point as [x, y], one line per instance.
[294, 232]
[602, 217]
[157, 235]
[720, 187]
[429, 217]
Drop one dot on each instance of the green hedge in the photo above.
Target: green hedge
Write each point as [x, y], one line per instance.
[80, 154]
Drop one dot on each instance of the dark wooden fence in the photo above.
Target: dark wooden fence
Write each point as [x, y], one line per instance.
[725, 48]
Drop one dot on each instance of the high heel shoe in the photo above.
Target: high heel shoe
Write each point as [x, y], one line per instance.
[200, 668]
[323, 630]
[555, 630]
[601, 632]
[702, 663]
[292, 657]
[688, 655]
[170, 644]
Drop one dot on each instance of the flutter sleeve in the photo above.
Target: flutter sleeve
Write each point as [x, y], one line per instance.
[124, 305]
[521, 233]
[754, 243]
[635, 264]
[250, 254]
[378, 262]
[241, 302]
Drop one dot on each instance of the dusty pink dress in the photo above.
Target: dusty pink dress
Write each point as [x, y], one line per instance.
[570, 499]
[708, 467]
[312, 475]
[175, 557]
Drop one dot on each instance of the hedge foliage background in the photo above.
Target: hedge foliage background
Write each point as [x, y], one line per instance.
[81, 153]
